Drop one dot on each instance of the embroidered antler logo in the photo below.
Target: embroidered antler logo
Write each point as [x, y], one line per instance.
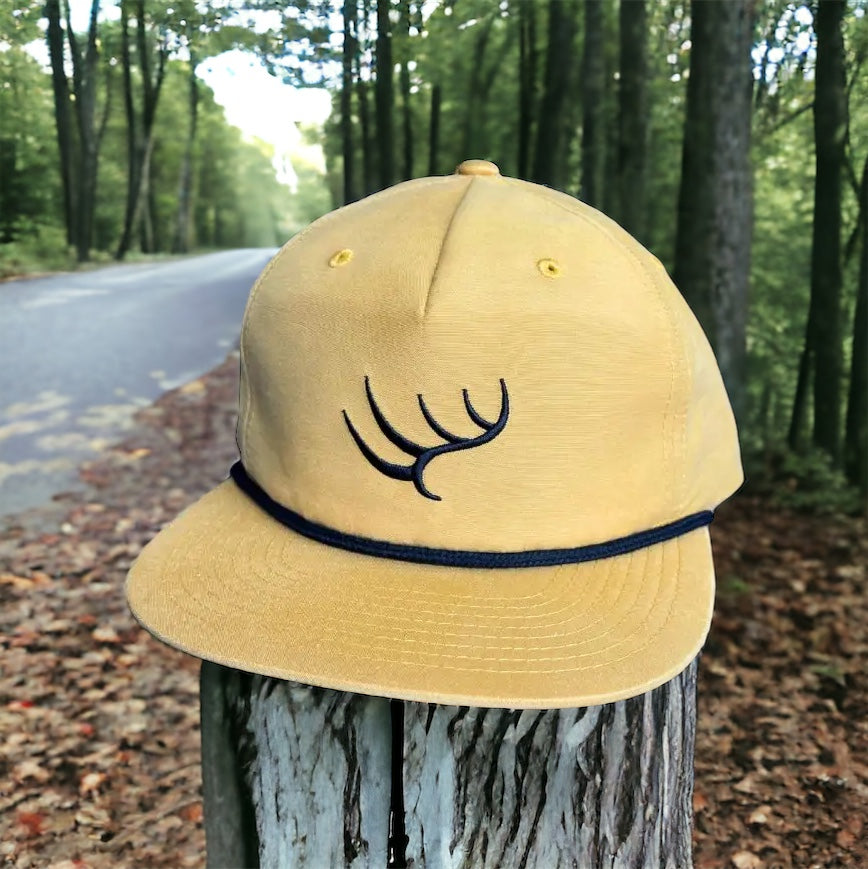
[423, 455]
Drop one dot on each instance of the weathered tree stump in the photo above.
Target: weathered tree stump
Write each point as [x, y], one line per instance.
[298, 776]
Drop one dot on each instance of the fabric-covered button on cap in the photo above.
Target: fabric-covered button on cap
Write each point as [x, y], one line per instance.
[477, 167]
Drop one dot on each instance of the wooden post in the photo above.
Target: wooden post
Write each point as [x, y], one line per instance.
[317, 773]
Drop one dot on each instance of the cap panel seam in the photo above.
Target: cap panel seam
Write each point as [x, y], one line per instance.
[446, 234]
[388, 193]
[676, 339]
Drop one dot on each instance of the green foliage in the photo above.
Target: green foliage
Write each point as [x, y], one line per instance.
[811, 483]
[238, 200]
[730, 585]
[780, 271]
[29, 183]
[39, 248]
[311, 197]
[19, 21]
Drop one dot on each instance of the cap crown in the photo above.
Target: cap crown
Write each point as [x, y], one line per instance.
[617, 421]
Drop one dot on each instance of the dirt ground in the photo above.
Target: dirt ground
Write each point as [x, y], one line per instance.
[99, 761]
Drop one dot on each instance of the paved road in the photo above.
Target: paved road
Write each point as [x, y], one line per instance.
[80, 353]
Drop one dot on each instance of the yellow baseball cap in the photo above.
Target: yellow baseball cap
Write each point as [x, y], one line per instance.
[481, 439]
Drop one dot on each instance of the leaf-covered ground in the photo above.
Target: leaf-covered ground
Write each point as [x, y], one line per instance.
[99, 723]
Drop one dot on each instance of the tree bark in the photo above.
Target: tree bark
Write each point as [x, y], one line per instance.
[632, 116]
[715, 204]
[183, 224]
[347, 55]
[369, 145]
[230, 825]
[593, 107]
[10, 205]
[856, 441]
[406, 109]
[602, 786]
[799, 415]
[84, 75]
[830, 129]
[434, 131]
[133, 167]
[62, 118]
[139, 204]
[473, 95]
[548, 163]
[527, 77]
[384, 96]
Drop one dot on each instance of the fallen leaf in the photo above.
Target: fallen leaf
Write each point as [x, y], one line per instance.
[28, 769]
[747, 785]
[33, 822]
[105, 634]
[747, 860]
[760, 815]
[192, 813]
[845, 839]
[19, 582]
[91, 782]
[193, 387]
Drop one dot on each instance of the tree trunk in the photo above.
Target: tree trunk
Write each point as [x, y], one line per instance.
[527, 52]
[369, 182]
[715, 204]
[434, 131]
[632, 117]
[140, 204]
[230, 825]
[548, 163]
[799, 416]
[133, 165]
[610, 199]
[10, 189]
[384, 96]
[830, 128]
[185, 184]
[486, 82]
[406, 113]
[146, 204]
[473, 94]
[593, 107]
[84, 76]
[63, 121]
[316, 770]
[856, 443]
[347, 55]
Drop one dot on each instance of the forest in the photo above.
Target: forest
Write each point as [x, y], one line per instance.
[728, 137]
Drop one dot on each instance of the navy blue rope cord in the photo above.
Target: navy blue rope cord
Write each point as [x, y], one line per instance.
[462, 557]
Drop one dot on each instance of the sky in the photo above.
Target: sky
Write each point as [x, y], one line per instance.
[261, 105]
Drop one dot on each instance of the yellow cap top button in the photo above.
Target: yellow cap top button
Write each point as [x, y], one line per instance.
[477, 167]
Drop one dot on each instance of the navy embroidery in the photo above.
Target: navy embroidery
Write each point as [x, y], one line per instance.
[462, 557]
[423, 455]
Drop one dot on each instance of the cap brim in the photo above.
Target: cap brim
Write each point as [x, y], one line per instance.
[228, 583]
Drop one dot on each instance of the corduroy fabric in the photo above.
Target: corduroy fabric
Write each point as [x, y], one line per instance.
[618, 423]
